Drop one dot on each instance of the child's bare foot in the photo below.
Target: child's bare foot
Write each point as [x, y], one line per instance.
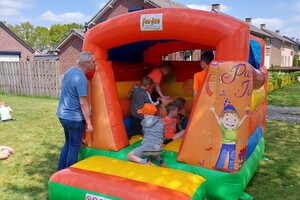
[150, 163]
[162, 163]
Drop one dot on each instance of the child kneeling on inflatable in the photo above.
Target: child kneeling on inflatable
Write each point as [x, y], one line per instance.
[153, 130]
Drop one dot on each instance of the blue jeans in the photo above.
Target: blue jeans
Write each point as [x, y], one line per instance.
[73, 136]
[136, 127]
[225, 149]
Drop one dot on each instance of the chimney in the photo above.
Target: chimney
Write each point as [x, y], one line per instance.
[262, 25]
[297, 40]
[249, 20]
[293, 38]
[277, 31]
[215, 7]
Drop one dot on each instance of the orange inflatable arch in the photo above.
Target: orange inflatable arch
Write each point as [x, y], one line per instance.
[124, 44]
[226, 120]
[178, 28]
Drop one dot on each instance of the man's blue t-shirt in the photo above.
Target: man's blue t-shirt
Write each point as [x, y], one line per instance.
[74, 85]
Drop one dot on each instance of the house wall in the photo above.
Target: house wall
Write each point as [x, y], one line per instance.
[9, 43]
[68, 54]
[287, 55]
[267, 51]
[178, 56]
[267, 48]
[268, 57]
[276, 52]
[296, 48]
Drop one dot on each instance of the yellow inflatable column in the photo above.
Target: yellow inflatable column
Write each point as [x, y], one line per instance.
[217, 134]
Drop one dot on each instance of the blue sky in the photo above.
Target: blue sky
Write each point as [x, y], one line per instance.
[276, 14]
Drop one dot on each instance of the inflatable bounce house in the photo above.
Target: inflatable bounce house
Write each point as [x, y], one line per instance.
[230, 106]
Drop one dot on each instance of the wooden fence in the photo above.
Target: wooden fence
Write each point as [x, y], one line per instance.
[30, 78]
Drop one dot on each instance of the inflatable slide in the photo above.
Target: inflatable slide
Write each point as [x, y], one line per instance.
[223, 142]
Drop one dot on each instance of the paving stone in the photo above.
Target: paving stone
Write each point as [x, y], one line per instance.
[289, 114]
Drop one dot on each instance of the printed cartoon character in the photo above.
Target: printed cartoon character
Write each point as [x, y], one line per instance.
[229, 124]
[242, 156]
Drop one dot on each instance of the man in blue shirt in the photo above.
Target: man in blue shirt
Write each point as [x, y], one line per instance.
[73, 109]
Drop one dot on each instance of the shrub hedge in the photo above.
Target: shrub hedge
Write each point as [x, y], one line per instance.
[281, 79]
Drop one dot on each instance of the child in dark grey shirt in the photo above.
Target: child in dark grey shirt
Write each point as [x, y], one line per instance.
[153, 130]
[139, 96]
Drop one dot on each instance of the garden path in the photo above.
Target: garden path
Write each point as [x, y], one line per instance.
[289, 114]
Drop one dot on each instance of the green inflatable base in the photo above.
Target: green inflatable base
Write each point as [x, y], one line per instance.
[220, 185]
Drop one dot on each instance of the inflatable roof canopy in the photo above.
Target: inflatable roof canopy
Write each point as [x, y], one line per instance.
[125, 47]
[223, 141]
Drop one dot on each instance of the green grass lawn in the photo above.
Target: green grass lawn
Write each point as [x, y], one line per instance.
[37, 138]
[278, 176]
[288, 96]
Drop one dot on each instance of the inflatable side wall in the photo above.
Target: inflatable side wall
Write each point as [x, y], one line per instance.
[219, 124]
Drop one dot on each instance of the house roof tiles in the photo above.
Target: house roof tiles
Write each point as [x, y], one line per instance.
[276, 35]
[74, 32]
[292, 40]
[251, 27]
[167, 4]
[258, 31]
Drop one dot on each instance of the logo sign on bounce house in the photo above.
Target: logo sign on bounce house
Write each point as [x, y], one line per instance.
[94, 197]
[151, 22]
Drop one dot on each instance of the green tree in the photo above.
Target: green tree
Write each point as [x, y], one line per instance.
[58, 32]
[25, 31]
[11, 27]
[296, 60]
[41, 39]
[74, 25]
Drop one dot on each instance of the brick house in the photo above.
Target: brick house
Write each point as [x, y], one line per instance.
[278, 50]
[257, 32]
[69, 48]
[282, 51]
[296, 48]
[13, 48]
[296, 44]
